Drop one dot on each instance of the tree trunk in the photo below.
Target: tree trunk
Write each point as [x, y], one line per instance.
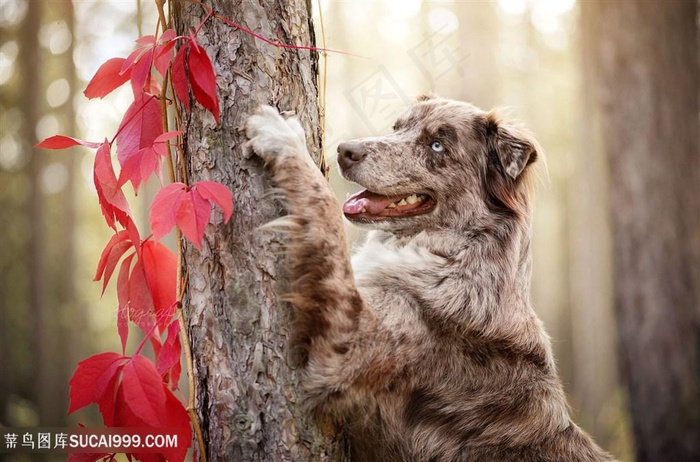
[71, 343]
[479, 36]
[247, 392]
[596, 380]
[31, 68]
[648, 80]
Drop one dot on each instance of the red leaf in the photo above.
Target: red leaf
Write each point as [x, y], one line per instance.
[117, 246]
[218, 194]
[146, 40]
[117, 252]
[140, 127]
[160, 268]
[193, 215]
[133, 233]
[176, 417]
[107, 403]
[164, 208]
[144, 393]
[111, 198]
[131, 393]
[178, 77]
[167, 36]
[146, 292]
[91, 378]
[123, 300]
[64, 142]
[107, 78]
[133, 57]
[167, 136]
[141, 72]
[102, 264]
[173, 415]
[139, 166]
[163, 56]
[168, 359]
[141, 310]
[123, 416]
[203, 80]
[188, 208]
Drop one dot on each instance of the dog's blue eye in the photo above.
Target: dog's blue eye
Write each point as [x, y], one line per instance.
[437, 146]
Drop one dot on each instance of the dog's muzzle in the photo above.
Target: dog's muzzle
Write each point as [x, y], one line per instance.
[350, 153]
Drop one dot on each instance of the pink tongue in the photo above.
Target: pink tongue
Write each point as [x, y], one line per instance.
[373, 203]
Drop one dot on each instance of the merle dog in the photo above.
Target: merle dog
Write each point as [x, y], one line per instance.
[423, 346]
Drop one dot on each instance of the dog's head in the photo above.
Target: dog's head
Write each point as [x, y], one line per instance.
[447, 164]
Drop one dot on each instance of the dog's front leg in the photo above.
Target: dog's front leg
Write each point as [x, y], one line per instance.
[330, 314]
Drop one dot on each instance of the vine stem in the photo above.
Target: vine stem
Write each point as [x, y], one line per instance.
[181, 282]
[322, 96]
[275, 43]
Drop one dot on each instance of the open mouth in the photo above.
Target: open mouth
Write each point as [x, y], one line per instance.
[366, 205]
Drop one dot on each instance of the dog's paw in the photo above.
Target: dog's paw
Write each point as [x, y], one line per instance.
[296, 127]
[270, 135]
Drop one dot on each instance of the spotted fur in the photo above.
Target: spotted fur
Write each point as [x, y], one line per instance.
[424, 346]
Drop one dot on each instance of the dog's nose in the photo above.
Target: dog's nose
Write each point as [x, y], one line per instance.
[349, 153]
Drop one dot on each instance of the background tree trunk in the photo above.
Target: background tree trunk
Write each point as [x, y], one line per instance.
[595, 378]
[40, 319]
[647, 57]
[247, 392]
[40, 314]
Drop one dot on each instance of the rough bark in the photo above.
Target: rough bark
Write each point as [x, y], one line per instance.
[247, 393]
[647, 56]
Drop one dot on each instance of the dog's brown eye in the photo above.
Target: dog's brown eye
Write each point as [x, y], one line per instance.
[437, 146]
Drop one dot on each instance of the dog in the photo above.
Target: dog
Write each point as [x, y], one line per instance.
[423, 346]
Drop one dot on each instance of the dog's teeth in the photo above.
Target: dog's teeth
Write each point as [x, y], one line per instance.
[412, 199]
[403, 202]
[391, 206]
[364, 210]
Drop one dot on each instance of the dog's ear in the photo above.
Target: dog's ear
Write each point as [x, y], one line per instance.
[512, 146]
[509, 149]
[425, 97]
[515, 150]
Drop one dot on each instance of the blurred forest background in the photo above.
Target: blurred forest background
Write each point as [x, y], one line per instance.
[538, 59]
